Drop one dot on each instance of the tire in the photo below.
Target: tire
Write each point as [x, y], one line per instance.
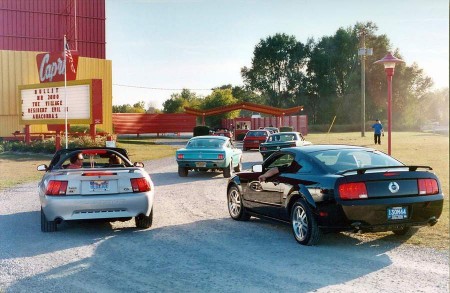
[227, 170]
[409, 231]
[144, 222]
[47, 226]
[304, 225]
[182, 171]
[235, 205]
[238, 168]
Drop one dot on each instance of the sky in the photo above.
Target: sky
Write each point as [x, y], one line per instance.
[159, 47]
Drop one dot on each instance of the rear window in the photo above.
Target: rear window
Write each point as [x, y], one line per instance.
[256, 133]
[341, 160]
[282, 137]
[205, 143]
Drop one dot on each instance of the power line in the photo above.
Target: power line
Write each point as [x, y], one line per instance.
[159, 88]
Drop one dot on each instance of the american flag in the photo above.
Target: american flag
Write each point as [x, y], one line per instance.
[68, 55]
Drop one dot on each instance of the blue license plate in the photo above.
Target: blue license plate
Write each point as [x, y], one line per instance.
[397, 213]
[99, 185]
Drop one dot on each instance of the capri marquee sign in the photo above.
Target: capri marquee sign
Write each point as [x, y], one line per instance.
[45, 103]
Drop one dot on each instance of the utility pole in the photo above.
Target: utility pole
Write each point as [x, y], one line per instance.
[363, 51]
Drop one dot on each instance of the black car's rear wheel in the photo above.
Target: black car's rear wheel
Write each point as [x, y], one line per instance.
[304, 225]
[47, 226]
[235, 205]
[182, 171]
[144, 222]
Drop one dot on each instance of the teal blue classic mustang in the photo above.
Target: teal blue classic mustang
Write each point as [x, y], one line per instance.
[203, 153]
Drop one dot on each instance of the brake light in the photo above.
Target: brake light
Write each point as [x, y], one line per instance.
[387, 174]
[140, 184]
[220, 156]
[98, 174]
[263, 148]
[427, 186]
[180, 156]
[56, 187]
[355, 190]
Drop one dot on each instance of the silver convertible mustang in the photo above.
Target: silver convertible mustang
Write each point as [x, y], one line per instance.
[94, 183]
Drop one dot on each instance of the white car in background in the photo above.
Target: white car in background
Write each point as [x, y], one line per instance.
[98, 189]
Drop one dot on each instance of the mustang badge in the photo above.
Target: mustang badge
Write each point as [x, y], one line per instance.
[394, 187]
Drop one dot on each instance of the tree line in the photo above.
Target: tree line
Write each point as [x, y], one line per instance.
[324, 76]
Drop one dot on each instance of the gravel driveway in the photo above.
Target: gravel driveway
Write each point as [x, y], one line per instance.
[194, 246]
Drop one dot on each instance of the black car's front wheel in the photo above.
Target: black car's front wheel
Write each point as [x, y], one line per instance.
[235, 205]
[304, 225]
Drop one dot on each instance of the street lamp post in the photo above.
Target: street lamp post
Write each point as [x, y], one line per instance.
[363, 52]
[389, 62]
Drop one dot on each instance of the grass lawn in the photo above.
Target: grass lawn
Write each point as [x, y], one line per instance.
[412, 148]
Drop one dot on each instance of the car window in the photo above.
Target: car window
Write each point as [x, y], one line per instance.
[283, 160]
[204, 143]
[257, 133]
[341, 160]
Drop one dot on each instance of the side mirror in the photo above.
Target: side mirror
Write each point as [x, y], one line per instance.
[138, 164]
[42, 168]
[257, 168]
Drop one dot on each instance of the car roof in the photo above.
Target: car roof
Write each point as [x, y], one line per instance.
[323, 147]
[210, 137]
[281, 133]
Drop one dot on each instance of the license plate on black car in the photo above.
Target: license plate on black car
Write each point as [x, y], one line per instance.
[397, 213]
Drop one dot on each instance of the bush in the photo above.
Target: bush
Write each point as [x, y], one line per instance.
[201, 130]
[48, 146]
[286, 129]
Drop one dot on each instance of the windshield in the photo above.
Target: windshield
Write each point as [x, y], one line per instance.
[205, 143]
[349, 159]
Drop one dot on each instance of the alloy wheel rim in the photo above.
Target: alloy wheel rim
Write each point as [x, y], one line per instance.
[299, 223]
[234, 203]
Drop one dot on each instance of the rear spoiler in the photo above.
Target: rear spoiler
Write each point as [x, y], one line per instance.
[361, 171]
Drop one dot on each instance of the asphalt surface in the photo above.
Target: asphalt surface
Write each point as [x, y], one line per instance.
[194, 246]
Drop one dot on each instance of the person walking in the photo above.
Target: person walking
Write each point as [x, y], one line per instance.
[377, 131]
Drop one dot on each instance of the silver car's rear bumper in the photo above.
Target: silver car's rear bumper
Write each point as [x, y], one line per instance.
[82, 207]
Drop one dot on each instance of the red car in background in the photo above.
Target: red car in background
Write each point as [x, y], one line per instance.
[254, 138]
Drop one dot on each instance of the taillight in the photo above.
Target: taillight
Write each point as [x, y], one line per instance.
[427, 186]
[56, 187]
[355, 190]
[220, 156]
[263, 148]
[180, 156]
[292, 144]
[140, 184]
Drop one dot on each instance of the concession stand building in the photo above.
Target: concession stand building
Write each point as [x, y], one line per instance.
[33, 90]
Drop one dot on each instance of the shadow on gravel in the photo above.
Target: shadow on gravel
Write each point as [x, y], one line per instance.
[219, 255]
[171, 178]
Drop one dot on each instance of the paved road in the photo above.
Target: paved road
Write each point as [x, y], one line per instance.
[194, 246]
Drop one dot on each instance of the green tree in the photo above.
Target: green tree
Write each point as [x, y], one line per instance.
[219, 98]
[178, 101]
[138, 107]
[277, 70]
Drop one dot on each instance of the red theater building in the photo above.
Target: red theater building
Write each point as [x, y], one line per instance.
[33, 90]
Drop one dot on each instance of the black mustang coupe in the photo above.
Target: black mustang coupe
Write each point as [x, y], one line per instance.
[325, 188]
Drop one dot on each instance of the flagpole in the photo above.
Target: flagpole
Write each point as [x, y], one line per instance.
[65, 90]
